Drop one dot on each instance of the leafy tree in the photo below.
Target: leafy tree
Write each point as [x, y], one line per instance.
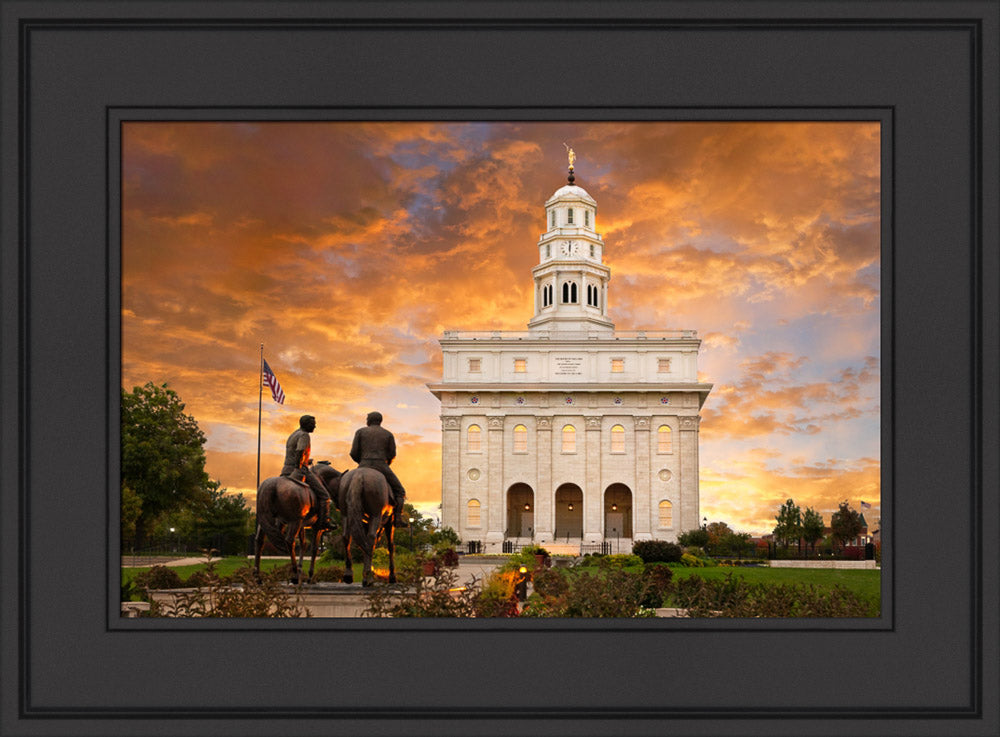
[131, 509]
[163, 456]
[812, 527]
[696, 538]
[718, 534]
[789, 527]
[845, 524]
[221, 519]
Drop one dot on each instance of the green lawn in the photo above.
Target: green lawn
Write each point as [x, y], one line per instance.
[864, 583]
[227, 566]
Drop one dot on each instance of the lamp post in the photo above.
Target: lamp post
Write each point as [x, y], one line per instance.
[411, 535]
[172, 531]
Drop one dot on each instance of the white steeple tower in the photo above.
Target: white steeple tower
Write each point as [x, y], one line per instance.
[571, 280]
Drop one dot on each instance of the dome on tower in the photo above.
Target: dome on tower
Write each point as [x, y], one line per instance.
[571, 192]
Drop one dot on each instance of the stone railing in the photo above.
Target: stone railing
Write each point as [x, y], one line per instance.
[569, 335]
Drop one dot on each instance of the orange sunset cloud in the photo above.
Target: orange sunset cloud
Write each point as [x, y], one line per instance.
[348, 248]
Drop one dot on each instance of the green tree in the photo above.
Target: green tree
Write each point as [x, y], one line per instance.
[131, 509]
[812, 527]
[696, 538]
[718, 538]
[789, 527]
[845, 524]
[163, 456]
[221, 520]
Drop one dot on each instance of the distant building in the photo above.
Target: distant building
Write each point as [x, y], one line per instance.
[570, 433]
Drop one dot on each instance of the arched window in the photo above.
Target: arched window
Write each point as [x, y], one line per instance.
[572, 293]
[664, 441]
[520, 439]
[565, 292]
[617, 439]
[569, 439]
[473, 514]
[475, 439]
[666, 515]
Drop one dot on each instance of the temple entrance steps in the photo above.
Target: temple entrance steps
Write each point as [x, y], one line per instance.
[562, 548]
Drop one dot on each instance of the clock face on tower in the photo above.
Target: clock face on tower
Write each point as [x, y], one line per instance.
[570, 248]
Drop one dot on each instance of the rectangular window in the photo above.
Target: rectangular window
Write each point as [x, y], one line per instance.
[553, 219]
[593, 251]
[548, 250]
[475, 365]
[663, 365]
[520, 365]
[617, 365]
[569, 216]
[586, 218]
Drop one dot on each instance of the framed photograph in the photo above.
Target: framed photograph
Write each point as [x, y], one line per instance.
[99, 99]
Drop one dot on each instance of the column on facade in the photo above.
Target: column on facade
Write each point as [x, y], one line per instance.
[593, 496]
[497, 513]
[544, 493]
[688, 467]
[641, 503]
[451, 481]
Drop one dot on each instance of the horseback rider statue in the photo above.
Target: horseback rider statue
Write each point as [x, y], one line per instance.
[375, 447]
[297, 468]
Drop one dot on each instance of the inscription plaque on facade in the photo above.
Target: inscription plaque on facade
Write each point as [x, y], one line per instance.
[568, 365]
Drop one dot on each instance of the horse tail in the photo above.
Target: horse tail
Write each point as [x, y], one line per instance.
[356, 506]
[266, 519]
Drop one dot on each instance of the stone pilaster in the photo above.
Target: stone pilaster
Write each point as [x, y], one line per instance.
[641, 503]
[544, 493]
[497, 512]
[690, 515]
[593, 498]
[451, 483]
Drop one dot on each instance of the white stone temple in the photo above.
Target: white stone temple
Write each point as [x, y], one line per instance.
[570, 434]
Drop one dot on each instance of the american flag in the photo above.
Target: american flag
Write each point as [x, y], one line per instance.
[272, 381]
[866, 505]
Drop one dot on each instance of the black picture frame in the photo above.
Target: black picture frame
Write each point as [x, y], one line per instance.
[927, 70]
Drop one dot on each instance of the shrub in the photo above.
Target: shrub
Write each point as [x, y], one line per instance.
[440, 596]
[620, 561]
[692, 561]
[329, 573]
[610, 593]
[215, 599]
[734, 597]
[657, 551]
[158, 577]
[658, 578]
[497, 596]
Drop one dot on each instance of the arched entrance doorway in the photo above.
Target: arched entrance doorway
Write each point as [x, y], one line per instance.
[520, 511]
[569, 512]
[617, 512]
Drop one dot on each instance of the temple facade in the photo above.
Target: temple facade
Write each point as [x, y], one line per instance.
[570, 434]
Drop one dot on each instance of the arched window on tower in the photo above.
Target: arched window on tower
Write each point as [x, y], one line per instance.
[666, 520]
[568, 439]
[617, 439]
[565, 296]
[572, 293]
[474, 439]
[664, 441]
[520, 439]
[473, 514]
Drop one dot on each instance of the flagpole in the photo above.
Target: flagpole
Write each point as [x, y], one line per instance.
[260, 404]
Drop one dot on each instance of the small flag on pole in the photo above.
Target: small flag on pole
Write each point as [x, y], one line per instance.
[272, 382]
[866, 505]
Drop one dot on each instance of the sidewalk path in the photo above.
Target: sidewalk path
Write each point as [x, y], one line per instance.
[148, 561]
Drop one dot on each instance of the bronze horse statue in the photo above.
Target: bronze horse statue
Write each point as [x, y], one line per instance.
[365, 503]
[284, 508]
